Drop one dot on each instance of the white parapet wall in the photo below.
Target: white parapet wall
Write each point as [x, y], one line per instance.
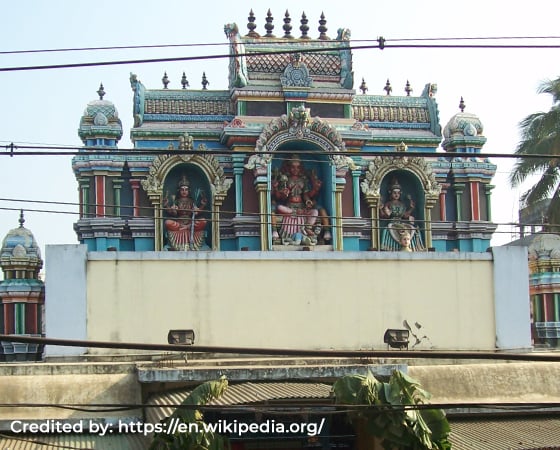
[303, 300]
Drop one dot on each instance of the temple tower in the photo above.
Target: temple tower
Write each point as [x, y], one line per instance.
[22, 294]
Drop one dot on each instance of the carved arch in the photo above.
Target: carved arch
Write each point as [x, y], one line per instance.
[298, 126]
[379, 167]
[212, 170]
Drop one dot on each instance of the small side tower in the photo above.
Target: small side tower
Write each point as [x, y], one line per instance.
[22, 294]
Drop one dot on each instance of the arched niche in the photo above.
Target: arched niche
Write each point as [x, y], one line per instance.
[207, 176]
[319, 146]
[417, 180]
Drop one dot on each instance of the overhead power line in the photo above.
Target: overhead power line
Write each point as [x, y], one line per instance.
[48, 150]
[382, 44]
[268, 41]
[396, 354]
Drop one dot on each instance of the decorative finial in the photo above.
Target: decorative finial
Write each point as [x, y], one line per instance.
[322, 28]
[408, 89]
[165, 80]
[388, 89]
[304, 28]
[101, 92]
[269, 26]
[462, 105]
[287, 26]
[205, 82]
[363, 87]
[184, 81]
[21, 218]
[251, 25]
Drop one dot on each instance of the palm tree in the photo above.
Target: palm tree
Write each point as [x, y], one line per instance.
[540, 135]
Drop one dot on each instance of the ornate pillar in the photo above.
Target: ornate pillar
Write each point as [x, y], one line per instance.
[338, 216]
[264, 214]
[155, 199]
[373, 203]
[430, 202]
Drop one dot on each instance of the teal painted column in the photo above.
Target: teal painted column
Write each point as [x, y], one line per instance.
[84, 190]
[356, 192]
[238, 168]
[117, 185]
[459, 189]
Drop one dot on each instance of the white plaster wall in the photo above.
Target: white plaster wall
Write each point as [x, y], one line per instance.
[65, 286]
[67, 388]
[511, 291]
[263, 299]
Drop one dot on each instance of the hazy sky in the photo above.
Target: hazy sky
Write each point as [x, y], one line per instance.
[44, 107]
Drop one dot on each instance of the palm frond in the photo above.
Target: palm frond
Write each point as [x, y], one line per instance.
[540, 135]
[553, 211]
[551, 87]
[543, 188]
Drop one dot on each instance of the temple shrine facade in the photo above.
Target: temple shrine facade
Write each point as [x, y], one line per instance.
[289, 157]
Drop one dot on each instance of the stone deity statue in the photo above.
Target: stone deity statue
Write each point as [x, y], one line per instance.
[297, 215]
[185, 228]
[400, 221]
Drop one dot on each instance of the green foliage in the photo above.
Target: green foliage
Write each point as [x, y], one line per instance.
[540, 135]
[200, 440]
[393, 416]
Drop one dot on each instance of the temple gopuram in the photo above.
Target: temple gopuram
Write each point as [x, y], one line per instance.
[290, 157]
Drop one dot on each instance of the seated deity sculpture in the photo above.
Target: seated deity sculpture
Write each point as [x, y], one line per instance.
[185, 228]
[297, 217]
[400, 226]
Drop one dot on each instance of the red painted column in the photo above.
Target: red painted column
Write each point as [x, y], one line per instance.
[475, 200]
[135, 184]
[99, 195]
[442, 211]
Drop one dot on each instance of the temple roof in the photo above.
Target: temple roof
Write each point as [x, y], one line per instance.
[463, 130]
[100, 119]
[287, 60]
[20, 249]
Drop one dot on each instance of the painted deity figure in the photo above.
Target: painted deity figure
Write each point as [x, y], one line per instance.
[405, 241]
[401, 221]
[297, 216]
[184, 226]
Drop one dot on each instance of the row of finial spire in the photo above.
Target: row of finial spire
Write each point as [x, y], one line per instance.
[184, 81]
[388, 88]
[287, 27]
[407, 88]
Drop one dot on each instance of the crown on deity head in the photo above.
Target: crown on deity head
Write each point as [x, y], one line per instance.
[184, 181]
[403, 233]
[394, 185]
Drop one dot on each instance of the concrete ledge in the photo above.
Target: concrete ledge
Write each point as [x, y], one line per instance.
[490, 383]
[286, 255]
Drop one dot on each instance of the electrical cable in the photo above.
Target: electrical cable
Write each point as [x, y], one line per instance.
[396, 354]
[268, 41]
[382, 45]
[454, 223]
[85, 151]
